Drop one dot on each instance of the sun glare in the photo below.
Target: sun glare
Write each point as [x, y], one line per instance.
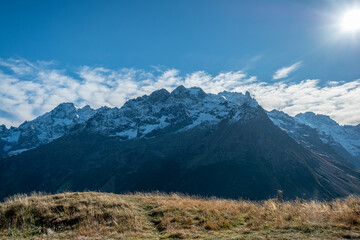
[350, 21]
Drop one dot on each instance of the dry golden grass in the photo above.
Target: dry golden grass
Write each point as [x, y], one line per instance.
[87, 213]
[92, 215]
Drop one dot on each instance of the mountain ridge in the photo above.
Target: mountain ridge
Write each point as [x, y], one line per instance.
[345, 140]
[308, 127]
[186, 141]
[43, 129]
[66, 115]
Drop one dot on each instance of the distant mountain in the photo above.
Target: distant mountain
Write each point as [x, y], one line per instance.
[43, 129]
[188, 141]
[347, 136]
[321, 134]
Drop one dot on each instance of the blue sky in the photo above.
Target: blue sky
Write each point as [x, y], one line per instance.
[277, 42]
[188, 35]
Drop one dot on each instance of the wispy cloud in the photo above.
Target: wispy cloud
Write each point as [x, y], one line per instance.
[31, 89]
[252, 62]
[285, 71]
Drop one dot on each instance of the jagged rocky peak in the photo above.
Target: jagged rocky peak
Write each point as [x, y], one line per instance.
[85, 113]
[45, 128]
[180, 91]
[277, 112]
[197, 92]
[159, 96]
[63, 114]
[283, 120]
[3, 128]
[311, 118]
[192, 93]
[103, 108]
[64, 110]
[188, 96]
[280, 115]
[162, 96]
[180, 110]
[71, 111]
[239, 98]
[86, 108]
[4, 131]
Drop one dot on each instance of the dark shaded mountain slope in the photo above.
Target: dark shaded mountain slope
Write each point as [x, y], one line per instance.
[246, 157]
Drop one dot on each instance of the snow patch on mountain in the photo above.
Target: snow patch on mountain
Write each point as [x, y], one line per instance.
[180, 110]
[347, 136]
[43, 129]
[315, 132]
[146, 116]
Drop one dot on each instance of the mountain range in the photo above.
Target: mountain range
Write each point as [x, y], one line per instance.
[189, 141]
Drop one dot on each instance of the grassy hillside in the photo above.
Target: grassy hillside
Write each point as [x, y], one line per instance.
[93, 215]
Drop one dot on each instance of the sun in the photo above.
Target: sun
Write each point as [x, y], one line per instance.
[350, 21]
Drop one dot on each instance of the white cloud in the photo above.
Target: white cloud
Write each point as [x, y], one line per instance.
[285, 71]
[24, 99]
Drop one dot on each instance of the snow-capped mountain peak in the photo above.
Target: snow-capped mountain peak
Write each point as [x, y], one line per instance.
[180, 110]
[3, 129]
[172, 112]
[317, 120]
[348, 137]
[345, 140]
[43, 129]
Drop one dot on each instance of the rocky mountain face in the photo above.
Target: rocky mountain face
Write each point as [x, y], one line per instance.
[141, 117]
[185, 141]
[43, 129]
[161, 111]
[347, 136]
[321, 134]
